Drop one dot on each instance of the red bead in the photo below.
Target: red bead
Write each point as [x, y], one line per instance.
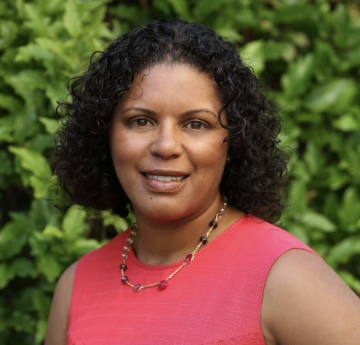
[213, 224]
[123, 267]
[163, 285]
[203, 240]
[188, 258]
[124, 279]
[137, 287]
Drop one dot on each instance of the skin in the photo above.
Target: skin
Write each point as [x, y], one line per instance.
[158, 130]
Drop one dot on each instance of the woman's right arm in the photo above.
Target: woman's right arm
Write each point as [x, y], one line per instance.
[58, 317]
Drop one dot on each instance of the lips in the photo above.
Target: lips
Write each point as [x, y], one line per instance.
[164, 181]
[165, 178]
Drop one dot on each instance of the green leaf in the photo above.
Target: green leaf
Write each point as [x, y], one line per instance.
[33, 51]
[5, 275]
[41, 326]
[343, 251]
[295, 12]
[54, 46]
[297, 80]
[163, 6]
[32, 161]
[40, 142]
[83, 246]
[25, 80]
[120, 224]
[87, 6]
[51, 125]
[318, 221]
[297, 197]
[336, 177]
[6, 164]
[36, 22]
[279, 50]
[353, 58]
[336, 96]
[300, 39]
[72, 20]
[346, 123]
[22, 267]
[21, 172]
[41, 186]
[42, 304]
[10, 103]
[253, 55]
[21, 322]
[331, 206]
[181, 8]
[43, 213]
[299, 232]
[130, 13]
[53, 231]
[13, 237]
[48, 265]
[349, 211]
[230, 35]
[205, 7]
[6, 129]
[313, 158]
[73, 223]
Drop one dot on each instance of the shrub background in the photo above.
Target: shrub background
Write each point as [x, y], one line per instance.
[307, 52]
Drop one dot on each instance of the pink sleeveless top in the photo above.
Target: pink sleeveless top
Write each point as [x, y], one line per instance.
[216, 299]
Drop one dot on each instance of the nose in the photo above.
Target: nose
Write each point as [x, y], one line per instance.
[167, 142]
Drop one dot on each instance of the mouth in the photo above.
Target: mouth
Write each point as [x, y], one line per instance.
[165, 178]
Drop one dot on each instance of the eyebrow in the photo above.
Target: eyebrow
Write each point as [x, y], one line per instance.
[186, 113]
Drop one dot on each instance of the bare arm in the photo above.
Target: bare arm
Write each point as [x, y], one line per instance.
[58, 318]
[306, 302]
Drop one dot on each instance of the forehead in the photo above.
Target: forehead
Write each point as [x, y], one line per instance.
[172, 86]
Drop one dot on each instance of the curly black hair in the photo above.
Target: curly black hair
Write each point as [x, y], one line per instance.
[254, 180]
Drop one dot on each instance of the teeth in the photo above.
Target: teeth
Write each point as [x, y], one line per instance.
[165, 178]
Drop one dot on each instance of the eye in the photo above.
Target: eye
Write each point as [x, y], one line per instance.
[141, 122]
[196, 125]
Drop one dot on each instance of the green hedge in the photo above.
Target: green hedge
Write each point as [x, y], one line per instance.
[308, 53]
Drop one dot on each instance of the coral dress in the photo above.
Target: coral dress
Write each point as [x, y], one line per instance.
[216, 299]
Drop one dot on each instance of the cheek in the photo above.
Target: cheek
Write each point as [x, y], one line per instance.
[122, 153]
[210, 156]
[123, 146]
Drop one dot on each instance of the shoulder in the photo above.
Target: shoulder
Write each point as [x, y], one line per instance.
[306, 302]
[58, 317]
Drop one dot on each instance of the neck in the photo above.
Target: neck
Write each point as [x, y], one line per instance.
[165, 242]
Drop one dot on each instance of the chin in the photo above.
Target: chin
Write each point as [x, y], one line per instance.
[160, 210]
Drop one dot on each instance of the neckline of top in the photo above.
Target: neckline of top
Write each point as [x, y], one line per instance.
[136, 261]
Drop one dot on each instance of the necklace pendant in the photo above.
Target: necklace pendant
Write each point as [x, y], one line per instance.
[188, 258]
[163, 285]
[137, 287]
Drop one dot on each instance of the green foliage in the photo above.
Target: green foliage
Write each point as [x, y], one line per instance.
[307, 52]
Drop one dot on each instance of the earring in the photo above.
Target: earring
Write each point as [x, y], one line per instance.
[228, 160]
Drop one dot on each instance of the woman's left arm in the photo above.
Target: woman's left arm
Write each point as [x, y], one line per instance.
[306, 302]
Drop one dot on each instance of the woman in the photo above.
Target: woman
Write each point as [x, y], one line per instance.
[169, 120]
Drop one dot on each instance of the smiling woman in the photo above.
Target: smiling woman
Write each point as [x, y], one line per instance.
[167, 144]
[169, 120]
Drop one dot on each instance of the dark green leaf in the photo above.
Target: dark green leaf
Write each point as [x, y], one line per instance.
[335, 96]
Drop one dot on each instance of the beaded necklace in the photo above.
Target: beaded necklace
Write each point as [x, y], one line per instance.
[163, 284]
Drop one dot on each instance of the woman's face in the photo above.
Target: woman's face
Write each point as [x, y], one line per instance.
[167, 144]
